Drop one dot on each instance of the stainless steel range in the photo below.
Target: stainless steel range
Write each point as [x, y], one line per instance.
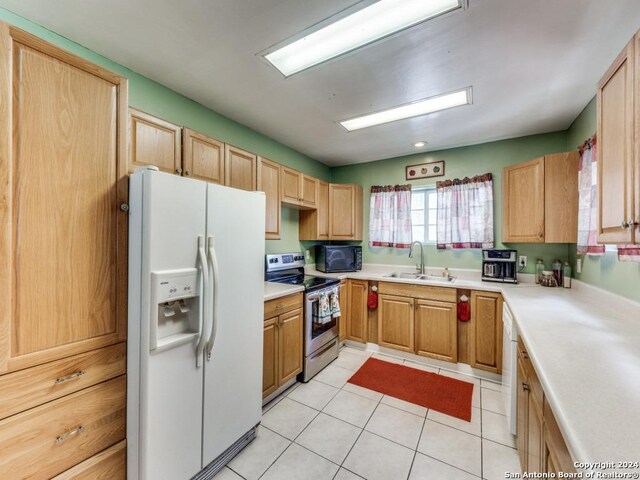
[320, 319]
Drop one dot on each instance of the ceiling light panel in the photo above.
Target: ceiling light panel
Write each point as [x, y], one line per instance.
[414, 109]
[367, 25]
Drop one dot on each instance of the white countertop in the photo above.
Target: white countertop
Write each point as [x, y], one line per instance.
[276, 290]
[585, 346]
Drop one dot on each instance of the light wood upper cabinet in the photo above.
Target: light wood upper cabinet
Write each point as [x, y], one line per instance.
[154, 142]
[269, 183]
[203, 157]
[314, 224]
[64, 239]
[345, 212]
[299, 190]
[240, 169]
[485, 342]
[436, 330]
[618, 150]
[357, 318]
[540, 200]
[309, 191]
[396, 322]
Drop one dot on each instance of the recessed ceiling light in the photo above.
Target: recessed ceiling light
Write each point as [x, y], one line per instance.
[414, 109]
[419, 144]
[341, 34]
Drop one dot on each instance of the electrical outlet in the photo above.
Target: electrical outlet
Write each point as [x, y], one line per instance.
[522, 261]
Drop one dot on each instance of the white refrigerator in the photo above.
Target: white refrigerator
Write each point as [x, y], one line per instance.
[196, 255]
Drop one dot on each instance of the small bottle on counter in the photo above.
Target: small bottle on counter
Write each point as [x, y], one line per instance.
[539, 270]
[566, 275]
[557, 271]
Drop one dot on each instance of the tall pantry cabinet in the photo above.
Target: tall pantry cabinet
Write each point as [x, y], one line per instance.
[63, 248]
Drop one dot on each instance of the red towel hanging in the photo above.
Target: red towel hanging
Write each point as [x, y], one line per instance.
[372, 300]
[464, 311]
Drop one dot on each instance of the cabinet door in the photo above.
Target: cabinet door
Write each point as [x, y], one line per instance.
[289, 345]
[436, 330]
[154, 142]
[395, 322]
[523, 202]
[486, 331]
[64, 238]
[309, 191]
[561, 197]
[535, 438]
[522, 414]
[240, 168]
[269, 183]
[615, 149]
[357, 318]
[110, 464]
[344, 309]
[314, 224]
[345, 212]
[270, 357]
[558, 458]
[291, 186]
[203, 157]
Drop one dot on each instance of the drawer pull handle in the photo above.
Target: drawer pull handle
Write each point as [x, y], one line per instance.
[76, 431]
[77, 374]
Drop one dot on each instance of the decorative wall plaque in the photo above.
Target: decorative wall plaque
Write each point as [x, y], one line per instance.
[425, 170]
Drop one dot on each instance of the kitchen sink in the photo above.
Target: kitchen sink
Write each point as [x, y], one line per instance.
[427, 277]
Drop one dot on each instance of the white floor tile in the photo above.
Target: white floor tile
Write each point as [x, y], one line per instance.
[271, 404]
[344, 474]
[491, 385]
[329, 437]
[334, 376]
[356, 351]
[469, 427]
[227, 474]
[495, 427]
[388, 358]
[403, 405]
[427, 468]
[256, 457]
[492, 400]
[314, 394]
[351, 408]
[288, 418]
[363, 392]
[452, 446]
[376, 458]
[498, 459]
[420, 366]
[350, 361]
[297, 463]
[396, 425]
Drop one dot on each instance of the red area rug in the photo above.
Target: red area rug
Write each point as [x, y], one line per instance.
[440, 393]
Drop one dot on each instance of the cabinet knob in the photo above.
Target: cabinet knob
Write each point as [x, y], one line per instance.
[179, 171]
[540, 234]
[187, 172]
[632, 223]
[525, 387]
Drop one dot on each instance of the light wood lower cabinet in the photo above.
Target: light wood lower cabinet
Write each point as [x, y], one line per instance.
[344, 310]
[110, 464]
[485, 339]
[396, 322]
[282, 342]
[357, 318]
[436, 330]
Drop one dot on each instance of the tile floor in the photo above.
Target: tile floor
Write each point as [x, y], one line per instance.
[328, 429]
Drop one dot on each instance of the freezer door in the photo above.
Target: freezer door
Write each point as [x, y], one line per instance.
[168, 214]
[233, 370]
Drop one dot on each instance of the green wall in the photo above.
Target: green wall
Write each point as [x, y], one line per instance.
[459, 162]
[152, 97]
[605, 271]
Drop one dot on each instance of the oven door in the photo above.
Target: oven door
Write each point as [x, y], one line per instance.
[318, 329]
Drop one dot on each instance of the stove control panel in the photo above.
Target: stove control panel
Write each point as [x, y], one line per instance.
[281, 261]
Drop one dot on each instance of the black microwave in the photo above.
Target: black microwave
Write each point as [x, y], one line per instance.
[338, 258]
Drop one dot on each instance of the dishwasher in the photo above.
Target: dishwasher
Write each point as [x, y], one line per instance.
[509, 366]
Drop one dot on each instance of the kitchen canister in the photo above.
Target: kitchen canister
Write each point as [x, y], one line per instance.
[566, 275]
[548, 279]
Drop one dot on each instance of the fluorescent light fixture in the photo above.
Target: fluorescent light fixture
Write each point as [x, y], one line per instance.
[419, 144]
[341, 34]
[414, 109]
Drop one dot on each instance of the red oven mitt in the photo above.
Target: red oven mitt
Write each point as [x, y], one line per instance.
[464, 311]
[372, 300]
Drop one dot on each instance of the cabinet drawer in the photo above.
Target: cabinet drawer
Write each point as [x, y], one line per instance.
[47, 440]
[532, 377]
[425, 292]
[275, 307]
[110, 464]
[37, 385]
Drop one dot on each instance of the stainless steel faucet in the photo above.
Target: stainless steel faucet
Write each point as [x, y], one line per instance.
[420, 267]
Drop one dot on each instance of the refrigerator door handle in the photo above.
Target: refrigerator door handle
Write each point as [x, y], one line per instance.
[215, 277]
[204, 311]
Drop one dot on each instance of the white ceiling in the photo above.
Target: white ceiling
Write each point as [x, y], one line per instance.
[533, 65]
